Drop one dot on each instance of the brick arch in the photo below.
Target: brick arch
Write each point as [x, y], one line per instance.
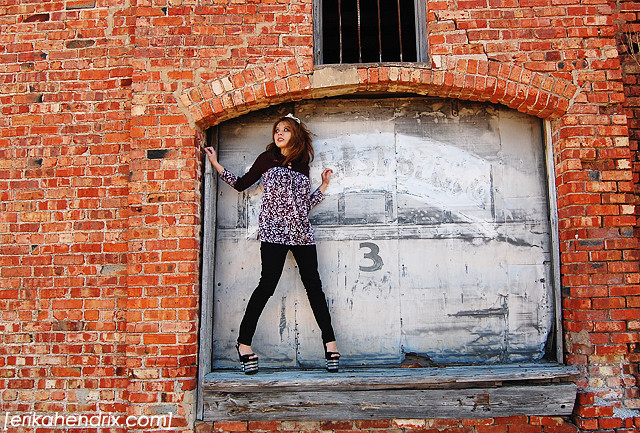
[537, 94]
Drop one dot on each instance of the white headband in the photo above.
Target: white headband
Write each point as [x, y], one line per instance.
[291, 116]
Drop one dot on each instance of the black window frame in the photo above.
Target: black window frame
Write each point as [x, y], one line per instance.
[422, 43]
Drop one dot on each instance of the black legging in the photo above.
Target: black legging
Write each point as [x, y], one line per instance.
[273, 257]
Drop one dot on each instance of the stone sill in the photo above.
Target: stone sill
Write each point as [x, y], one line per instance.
[344, 66]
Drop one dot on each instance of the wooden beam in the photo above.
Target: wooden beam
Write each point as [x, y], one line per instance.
[210, 179]
[550, 400]
[376, 393]
[384, 378]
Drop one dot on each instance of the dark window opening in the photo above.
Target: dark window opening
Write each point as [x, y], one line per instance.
[355, 31]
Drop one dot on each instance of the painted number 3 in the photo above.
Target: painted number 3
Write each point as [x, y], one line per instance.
[373, 256]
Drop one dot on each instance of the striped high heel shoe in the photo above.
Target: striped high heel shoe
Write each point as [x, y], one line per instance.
[249, 362]
[332, 361]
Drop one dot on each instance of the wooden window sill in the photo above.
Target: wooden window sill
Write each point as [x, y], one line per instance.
[478, 391]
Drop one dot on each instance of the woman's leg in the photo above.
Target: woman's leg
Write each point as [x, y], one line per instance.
[272, 257]
[307, 259]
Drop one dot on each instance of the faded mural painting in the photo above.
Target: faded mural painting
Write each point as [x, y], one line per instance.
[434, 237]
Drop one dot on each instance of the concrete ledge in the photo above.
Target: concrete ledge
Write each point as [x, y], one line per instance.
[330, 77]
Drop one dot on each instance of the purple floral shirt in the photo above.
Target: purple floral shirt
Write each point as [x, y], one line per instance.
[286, 200]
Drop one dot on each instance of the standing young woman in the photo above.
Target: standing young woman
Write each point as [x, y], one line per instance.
[283, 226]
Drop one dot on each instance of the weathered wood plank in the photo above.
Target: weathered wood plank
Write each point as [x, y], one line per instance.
[555, 240]
[207, 275]
[550, 400]
[384, 378]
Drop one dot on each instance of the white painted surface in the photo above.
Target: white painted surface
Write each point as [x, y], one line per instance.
[433, 237]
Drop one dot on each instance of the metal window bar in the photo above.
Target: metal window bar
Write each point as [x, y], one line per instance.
[359, 29]
[359, 33]
[399, 30]
[340, 27]
[379, 33]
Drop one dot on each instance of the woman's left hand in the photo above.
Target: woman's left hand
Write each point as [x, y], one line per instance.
[326, 177]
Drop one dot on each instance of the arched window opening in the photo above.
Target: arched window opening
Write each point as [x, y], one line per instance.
[434, 240]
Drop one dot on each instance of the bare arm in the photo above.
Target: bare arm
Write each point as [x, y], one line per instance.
[326, 177]
[318, 195]
[213, 159]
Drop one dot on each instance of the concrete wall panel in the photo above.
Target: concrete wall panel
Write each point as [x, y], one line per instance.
[433, 237]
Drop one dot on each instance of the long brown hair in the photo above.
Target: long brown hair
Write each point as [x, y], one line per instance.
[300, 145]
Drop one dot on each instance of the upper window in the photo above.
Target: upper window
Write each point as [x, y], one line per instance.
[352, 31]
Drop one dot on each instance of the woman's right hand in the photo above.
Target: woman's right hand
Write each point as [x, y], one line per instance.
[213, 158]
[211, 154]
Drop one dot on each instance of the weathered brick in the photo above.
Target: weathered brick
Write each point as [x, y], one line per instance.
[98, 103]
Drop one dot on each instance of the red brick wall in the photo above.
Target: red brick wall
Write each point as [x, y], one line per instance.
[632, 91]
[65, 96]
[520, 424]
[102, 106]
[628, 31]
